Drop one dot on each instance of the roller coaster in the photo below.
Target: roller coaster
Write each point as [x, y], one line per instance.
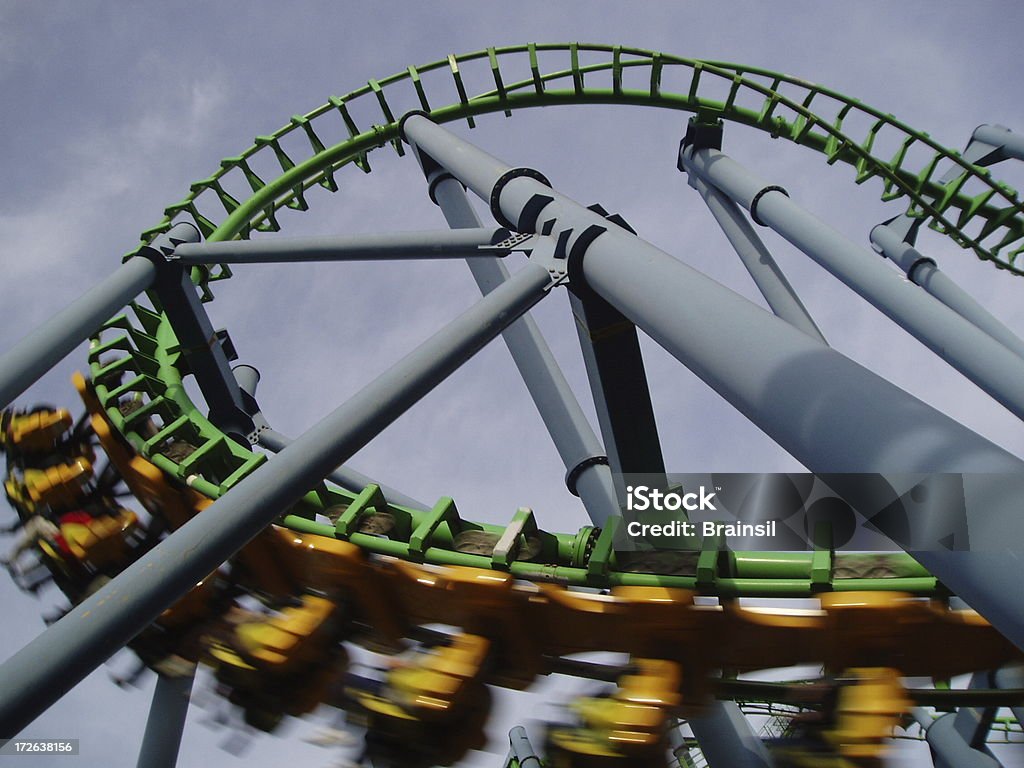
[170, 534]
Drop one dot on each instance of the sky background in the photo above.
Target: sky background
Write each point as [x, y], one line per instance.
[110, 112]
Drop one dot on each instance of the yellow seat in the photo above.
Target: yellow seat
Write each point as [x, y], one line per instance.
[380, 705]
[452, 666]
[613, 714]
[228, 656]
[101, 541]
[867, 712]
[462, 658]
[61, 486]
[416, 681]
[583, 742]
[656, 683]
[35, 432]
[279, 641]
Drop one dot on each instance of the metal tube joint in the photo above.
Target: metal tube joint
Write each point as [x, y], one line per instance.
[701, 133]
[753, 196]
[991, 144]
[161, 249]
[887, 241]
[517, 197]
[572, 476]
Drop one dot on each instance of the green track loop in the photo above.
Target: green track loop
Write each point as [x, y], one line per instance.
[755, 97]
[139, 359]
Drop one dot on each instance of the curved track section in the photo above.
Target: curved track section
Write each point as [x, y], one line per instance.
[969, 206]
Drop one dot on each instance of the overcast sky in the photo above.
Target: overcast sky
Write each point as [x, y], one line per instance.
[110, 112]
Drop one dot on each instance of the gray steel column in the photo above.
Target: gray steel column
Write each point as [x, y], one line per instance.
[677, 745]
[974, 723]
[826, 410]
[949, 750]
[166, 722]
[45, 669]
[574, 438]
[476, 242]
[481, 172]
[1011, 677]
[982, 359]
[346, 477]
[522, 750]
[618, 384]
[46, 346]
[200, 344]
[926, 273]
[1006, 142]
[727, 740]
[248, 379]
[758, 260]
[987, 578]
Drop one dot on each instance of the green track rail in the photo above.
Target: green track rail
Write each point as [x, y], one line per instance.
[908, 163]
[137, 360]
[138, 357]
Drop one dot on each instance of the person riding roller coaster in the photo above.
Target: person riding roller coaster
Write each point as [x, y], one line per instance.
[66, 513]
[41, 436]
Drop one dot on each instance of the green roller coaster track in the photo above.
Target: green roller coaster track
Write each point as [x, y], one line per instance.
[140, 359]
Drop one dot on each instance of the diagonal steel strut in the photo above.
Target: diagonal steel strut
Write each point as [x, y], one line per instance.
[828, 411]
[587, 473]
[45, 669]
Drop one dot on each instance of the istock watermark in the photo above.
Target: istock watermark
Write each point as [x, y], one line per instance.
[640, 498]
[804, 511]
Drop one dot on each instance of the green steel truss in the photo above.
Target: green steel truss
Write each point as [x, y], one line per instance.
[973, 209]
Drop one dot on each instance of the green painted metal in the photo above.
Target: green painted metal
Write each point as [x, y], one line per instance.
[139, 360]
[522, 525]
[756, 97]
[370, 498]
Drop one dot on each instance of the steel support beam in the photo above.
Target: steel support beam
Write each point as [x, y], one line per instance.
[346, 477]
[982, 359]
[727, 740]
[1012, 678]
[925, 272]
[482, 173]
[587, 473]
[46, 346]
[248, 379]
[826, 410]
[949, 750]
[45, 669]
[469, 243]
[618, 383]
[1004, 142]
[200, 344]
[677, 744]
[756, 257]
[974, 723]
[166, 722]
[614, 365]
[822, 407]
[522, 750]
